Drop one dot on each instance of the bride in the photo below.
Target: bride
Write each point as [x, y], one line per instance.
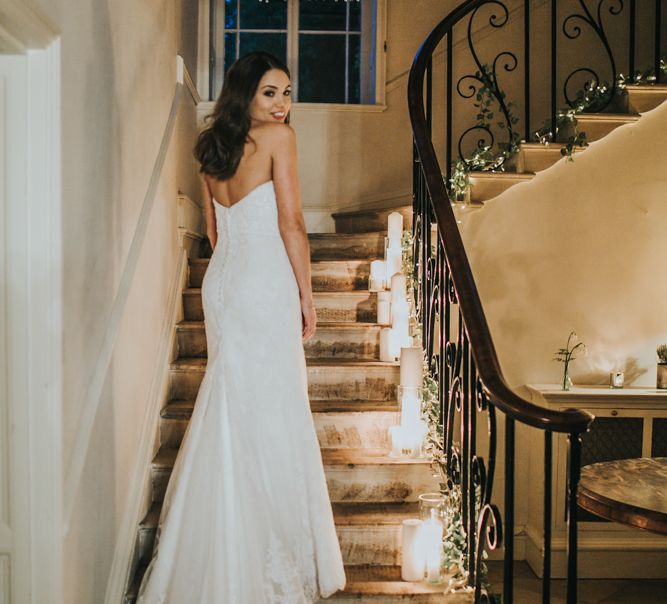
[246, 517]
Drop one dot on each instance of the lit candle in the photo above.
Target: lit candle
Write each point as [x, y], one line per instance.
[398, 440]
[410, 406]
[412, 552]
[384, 308]
[411, 366]
[395, 225]
[432, 543]
[377, 276]
[393, 256]
[398, 289]
[386, 344]
[396, 340]
[616, 379]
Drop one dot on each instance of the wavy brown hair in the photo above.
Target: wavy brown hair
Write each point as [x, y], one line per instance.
[220, 145]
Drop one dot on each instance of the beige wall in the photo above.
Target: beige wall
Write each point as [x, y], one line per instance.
[118, 82]
[580, 247]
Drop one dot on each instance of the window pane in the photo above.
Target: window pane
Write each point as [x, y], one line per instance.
[321, 68]
[322, 15]
[276, 44]
[230, 14]
[230, 50]
[263, 15]
[355, 14]
[354, 69]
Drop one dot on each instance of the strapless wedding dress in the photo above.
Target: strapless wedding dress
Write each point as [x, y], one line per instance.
[246, 517]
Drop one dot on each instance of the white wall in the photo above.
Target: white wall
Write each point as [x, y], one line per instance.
[118, 83]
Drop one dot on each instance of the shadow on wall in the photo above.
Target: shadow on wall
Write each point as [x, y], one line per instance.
[582, 247]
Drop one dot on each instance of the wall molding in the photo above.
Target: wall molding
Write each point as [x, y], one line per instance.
[123, 565]
[92, 395]
[22, 28]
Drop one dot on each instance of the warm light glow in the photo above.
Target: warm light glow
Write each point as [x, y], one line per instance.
[431, 534]
[413, 560]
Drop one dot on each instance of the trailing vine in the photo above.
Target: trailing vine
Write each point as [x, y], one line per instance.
[483, 158]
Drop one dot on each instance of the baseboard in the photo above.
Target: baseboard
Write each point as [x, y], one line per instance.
[125, 555]
[631, 554]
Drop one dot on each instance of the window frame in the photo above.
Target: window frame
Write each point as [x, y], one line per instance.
[215, 56]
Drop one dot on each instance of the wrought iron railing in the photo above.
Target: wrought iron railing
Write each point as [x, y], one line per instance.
[455, 333]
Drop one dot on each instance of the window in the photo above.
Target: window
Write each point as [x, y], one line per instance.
[330, 46]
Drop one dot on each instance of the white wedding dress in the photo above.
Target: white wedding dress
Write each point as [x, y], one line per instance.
[246, 517]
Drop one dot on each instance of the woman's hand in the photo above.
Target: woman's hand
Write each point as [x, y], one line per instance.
[308, 318]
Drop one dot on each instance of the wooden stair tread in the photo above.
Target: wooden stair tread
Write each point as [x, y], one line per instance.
[334, 236]
[502, 175]
[196, 291]
[166, 456]
[350, 261]
[182, 408]
[199, 325]
[345, 514]
[371, 211]
[199, 363]
[621, 118]
[386, 580]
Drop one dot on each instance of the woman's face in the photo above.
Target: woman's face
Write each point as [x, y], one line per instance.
[273, 100]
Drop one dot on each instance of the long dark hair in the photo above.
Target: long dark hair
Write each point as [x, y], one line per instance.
[220, 145]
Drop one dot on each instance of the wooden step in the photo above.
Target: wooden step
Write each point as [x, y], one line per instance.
[363, 221]
[383, 585]
[598, 125]
[487, 185]
[353, 475]
[332, 380]
[343, 424]
[335, 340]
[347, 246]
[368, 533]
[365, 583]
[327, 275]
[347, 306]
[644, 97]
[535, 157]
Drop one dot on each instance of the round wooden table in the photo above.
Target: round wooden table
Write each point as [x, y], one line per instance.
[629, 491]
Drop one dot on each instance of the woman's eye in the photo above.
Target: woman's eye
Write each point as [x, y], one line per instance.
[269, 93]
[288, 92]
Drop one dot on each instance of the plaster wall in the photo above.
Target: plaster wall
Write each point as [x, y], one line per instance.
[118, 81]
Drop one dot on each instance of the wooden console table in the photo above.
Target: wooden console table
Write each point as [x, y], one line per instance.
[629, 491]
[630, 423]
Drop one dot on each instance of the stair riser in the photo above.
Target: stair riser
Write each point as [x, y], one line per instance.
[374, 483]
[324, 383]
[536, 160]
[366, 430]
[360, 544]
[345, 598]
[348, 247]
[379, 483]
[336, 343]
[644, 100]
[371, 221]
[595, 129]
[334, 276]
[353, 306]
[483, 189]
[353, 383]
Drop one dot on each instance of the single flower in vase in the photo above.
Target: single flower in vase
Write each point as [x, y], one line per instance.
[567, 355]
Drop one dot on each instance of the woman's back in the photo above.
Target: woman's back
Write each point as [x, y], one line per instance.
[255, 167]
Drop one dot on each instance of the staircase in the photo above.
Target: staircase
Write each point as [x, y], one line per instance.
[353, 401]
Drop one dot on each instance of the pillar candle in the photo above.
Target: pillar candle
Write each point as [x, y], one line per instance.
[393, 257]
[411, 367]
[432, 544]
[378, 275]
[399, 292]
[395, 225]
[410, 407]
[413, 559]
[384, 308]
[386, 344]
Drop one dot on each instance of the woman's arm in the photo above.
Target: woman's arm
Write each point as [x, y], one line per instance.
[209, 213]
[290, 218]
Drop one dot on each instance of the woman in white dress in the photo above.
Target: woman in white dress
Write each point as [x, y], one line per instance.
[246, 517]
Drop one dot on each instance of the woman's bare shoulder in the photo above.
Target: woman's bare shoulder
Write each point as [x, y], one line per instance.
[273, 135]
